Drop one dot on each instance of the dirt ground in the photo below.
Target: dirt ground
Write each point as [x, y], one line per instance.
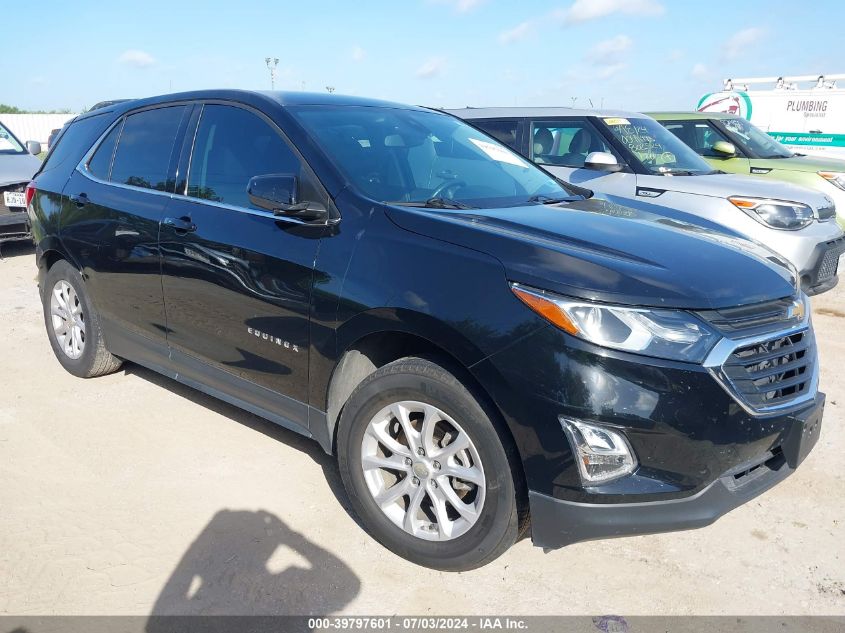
[132, 494]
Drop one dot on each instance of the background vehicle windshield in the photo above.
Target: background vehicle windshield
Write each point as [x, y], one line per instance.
[754, 140]
[659, 151]
[411, 156]
[8, 143]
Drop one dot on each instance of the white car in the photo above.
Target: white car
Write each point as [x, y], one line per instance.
[632, 157]
[17, 166]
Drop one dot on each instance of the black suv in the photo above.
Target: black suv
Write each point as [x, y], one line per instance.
[486, 349]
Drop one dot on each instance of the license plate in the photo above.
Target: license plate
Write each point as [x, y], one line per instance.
[804, 435]
[14, 199]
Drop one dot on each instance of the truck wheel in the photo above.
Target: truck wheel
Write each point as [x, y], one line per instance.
[73, 325]
[425, 468]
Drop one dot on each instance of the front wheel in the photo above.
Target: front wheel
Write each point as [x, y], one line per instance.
[425, 468]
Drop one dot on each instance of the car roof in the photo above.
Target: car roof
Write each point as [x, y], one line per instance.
[518, 113]
[283, 99]
[692, 115]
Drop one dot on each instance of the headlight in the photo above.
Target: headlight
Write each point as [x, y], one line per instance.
[671, 334]
[836, 178]
[778, 214]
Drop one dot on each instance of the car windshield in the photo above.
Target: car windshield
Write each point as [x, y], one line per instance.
[659, 151]
[754, 140]
[425, 158]
[8, 143]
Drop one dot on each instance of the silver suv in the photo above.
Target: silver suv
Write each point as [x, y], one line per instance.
[631, 156]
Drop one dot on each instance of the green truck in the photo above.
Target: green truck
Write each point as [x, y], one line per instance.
[731, 144]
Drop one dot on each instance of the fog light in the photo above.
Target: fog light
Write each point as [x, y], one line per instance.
[601, 453]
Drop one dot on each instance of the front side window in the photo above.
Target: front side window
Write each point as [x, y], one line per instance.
[144, 149]
[8, 143]
[566, 142]
[701, 136]
[232, 146]
[754, 140]
[416, 156]
[658, 150]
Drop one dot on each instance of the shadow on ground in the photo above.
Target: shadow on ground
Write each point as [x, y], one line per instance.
[252, 563]
[9, 250]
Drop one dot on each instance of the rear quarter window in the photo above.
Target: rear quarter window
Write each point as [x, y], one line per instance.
[76, 140]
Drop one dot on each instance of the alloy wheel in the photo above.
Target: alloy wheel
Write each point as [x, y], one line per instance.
[423, 471]
[68, 319]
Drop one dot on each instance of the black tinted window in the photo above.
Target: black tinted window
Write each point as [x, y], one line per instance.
[146, 143]
[100, 162]
[503, 131]
[232, 146]
[75, 141]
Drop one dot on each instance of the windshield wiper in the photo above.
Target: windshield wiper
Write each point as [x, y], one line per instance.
[542, 199]
[433, 203]
[671, 171]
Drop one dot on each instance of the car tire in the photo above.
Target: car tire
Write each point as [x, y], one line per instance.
[436, 534]
[73, 325]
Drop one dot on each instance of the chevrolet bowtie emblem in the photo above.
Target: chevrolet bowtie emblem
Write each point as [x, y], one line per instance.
[796, 310]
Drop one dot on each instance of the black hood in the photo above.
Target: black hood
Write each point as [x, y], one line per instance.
[596, 249]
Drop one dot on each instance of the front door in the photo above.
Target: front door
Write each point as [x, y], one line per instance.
[237, 279]
[562, 145]
[701, 136]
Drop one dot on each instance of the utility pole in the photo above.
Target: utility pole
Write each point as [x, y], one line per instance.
[272, 62]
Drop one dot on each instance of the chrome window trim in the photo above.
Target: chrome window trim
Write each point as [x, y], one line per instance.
[82, 168]
[723, 350]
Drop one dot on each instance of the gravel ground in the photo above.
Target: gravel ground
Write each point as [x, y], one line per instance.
[132, 494]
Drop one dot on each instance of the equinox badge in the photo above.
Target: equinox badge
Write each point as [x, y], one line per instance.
[273, 339]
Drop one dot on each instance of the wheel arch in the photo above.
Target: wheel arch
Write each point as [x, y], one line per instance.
[390, 339]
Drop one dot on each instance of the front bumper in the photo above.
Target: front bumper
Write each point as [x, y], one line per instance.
[14, 226]
[823, 272]
[558, 522]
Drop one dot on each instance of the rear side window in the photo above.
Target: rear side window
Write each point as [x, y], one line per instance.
[100, 163]
[146, 143]
[233, 145]
[502, 131]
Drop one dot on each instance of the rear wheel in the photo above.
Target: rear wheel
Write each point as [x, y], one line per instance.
[425, 468]
[73, 325]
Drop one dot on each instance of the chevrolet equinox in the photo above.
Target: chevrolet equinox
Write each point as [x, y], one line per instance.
[488, 351]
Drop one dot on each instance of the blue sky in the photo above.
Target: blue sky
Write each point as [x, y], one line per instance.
[633, 54]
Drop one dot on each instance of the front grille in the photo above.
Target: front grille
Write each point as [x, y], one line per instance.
[829, 265]
[751, 319]
[773, 373]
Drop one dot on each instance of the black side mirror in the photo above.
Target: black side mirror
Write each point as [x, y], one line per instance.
[279, 193]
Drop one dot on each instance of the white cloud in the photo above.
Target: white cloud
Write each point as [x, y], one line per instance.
[606, 72]
[431, 68]
[136, 58]
[461, 6]
[608, 52]
[585, 10]
[358, 54]
[741, 41]
[700, 71]
[517, 33]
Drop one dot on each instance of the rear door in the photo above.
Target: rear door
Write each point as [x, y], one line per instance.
[237, 279]
[115, 201]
